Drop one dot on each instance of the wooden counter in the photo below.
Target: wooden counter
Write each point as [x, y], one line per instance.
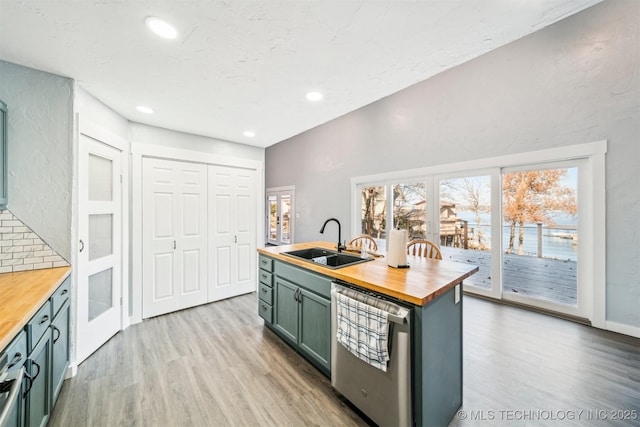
[425, 280]
[22, 294]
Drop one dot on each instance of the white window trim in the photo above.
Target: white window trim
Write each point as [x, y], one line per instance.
[594, 151]
[287, 188]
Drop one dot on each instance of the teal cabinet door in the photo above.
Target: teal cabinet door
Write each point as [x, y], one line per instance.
[286, 309]
[315, 328]
[60, 351]
[38, 397]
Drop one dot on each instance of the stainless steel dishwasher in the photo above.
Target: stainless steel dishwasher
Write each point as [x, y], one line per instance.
[385, 397]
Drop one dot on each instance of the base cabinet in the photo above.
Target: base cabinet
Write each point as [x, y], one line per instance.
[42, 348]
[60, 350]
[39, 384]
[301, 308]
[315, 328]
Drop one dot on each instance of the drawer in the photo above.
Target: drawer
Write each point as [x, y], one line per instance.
[265, 311]
[265, 263]
[17, 352]
[266, 278]
[38, 325]
[60, 296]
[266, 293]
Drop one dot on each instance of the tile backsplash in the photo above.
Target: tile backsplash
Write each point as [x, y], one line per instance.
[21, 249]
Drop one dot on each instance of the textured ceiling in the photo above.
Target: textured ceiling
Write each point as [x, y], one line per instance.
[247, 65]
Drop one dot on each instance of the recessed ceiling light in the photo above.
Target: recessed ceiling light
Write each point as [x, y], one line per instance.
[161, 28]
[144, 109]
[314, 96]
[249, 134]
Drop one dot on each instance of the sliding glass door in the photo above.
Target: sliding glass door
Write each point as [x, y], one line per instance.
[540, 243]
[465, 227]
[519, 225]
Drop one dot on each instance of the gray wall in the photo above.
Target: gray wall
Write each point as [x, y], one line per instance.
[571, 83]
[40, 151]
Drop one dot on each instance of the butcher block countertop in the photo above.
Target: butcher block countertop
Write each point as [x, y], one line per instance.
[22, 294]
[425, 280]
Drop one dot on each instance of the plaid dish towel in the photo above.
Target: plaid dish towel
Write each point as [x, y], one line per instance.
[363, 330]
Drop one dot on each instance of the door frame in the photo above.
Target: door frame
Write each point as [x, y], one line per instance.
[94, 131]
[140, 150]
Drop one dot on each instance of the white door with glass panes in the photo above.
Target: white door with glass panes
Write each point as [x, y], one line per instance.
[99, 309]
[174, 208]
[280, 211]
[232, 234]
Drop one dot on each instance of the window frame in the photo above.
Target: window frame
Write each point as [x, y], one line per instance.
[591, 191]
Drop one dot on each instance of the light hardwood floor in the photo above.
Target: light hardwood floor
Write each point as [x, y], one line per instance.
[217, 365]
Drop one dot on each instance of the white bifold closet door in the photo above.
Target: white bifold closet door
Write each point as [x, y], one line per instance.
[232, 231]
[174, 229]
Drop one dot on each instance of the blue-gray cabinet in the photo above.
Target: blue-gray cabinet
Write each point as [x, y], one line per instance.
[265, 289]
[39, 383]
[60, 308]
[300, 309]
[42, 348]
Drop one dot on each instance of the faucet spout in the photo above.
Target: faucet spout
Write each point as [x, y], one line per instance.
[340, 245]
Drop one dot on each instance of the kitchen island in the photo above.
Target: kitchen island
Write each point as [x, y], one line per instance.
[295, 303]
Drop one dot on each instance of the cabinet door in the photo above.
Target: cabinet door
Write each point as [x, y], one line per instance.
[315, 328]
[38, 399]
[60, 351]
[286, 309]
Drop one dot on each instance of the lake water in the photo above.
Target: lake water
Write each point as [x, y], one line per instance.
[552, 246]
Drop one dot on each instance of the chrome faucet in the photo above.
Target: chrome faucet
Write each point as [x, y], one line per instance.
[340, 245]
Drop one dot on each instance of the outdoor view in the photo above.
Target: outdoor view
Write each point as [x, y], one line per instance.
[539, 227]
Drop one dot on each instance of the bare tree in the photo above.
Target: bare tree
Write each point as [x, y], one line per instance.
[409, 201]
[372, 198]
[476, 192]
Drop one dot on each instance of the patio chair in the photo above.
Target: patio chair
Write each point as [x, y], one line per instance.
[423, 248]
[364, 240]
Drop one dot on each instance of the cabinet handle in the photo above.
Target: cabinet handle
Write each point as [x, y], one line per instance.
[55, 340]
[263, 290]
[44, 319]
[64, 292]
[16, 359]
[31, 378]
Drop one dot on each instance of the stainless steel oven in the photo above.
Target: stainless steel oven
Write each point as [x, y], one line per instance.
[385, 397]
[10, 388]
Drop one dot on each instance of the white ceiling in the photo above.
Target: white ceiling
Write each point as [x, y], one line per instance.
[241, 65]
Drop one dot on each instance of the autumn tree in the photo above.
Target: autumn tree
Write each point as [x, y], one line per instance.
[529, 197]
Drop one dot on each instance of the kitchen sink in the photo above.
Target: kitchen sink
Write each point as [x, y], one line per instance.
[327, 258]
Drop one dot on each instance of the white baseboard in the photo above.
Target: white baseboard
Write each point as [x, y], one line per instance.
[72, 370]
[621, 328]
